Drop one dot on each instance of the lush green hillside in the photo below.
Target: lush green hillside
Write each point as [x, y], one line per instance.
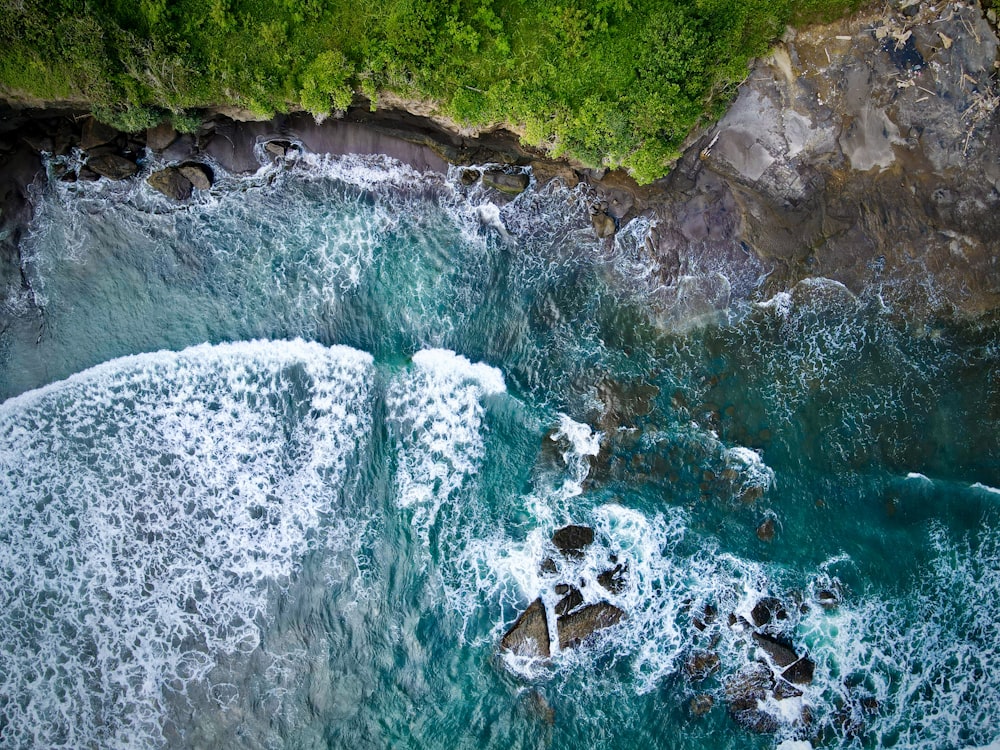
[614, 82]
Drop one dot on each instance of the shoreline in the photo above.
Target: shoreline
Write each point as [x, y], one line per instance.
[838, 159]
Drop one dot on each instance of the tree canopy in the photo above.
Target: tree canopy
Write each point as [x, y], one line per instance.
[618, 83]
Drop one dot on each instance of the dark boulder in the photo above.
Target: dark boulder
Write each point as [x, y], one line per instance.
[199, 175]
[797, 669]
[779, 649]
[744, 691]
[171, 183]
[801, 672]
[512, 184]
[576, 627]
[768, 609]
[470, 176]
[701, 704]
[529, 636]
[113, 166]
[614, 580]
[701, 665]
[765, 532]
[95, 134]
[549, 566]
[571, 540]
[705, 618]
[572, 599]
[160, 136]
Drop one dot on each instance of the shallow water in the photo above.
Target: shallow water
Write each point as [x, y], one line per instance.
[279, 468]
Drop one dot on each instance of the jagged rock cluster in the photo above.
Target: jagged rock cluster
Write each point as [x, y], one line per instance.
[576, 622]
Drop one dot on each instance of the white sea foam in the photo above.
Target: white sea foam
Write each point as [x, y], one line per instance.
[985, 488]
[755, 473]
[917, 475]
[436, 417]
[148, 503]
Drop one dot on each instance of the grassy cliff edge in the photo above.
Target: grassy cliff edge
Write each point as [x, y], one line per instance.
[615, 83]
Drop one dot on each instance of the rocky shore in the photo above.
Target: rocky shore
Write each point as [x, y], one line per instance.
[866, 151]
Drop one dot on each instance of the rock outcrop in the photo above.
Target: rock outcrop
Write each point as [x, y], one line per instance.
[573, 540]
[506, 182]
[171, 183]
[578, 618]
[529, 636]
[866, 151]
[577, 626]
[113, 166]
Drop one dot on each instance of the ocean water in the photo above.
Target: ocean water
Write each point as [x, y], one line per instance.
[279, 467]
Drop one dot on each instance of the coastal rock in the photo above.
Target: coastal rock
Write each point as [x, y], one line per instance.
[572, 540]
[765, 532]
[614, 580]
[576, 627]
[512, 184]
[171, 183]
[199, 175]
[470, 176]
[160, 136]
[701, 704]
[604, 225]
[701, 665]
[572, 599]
[277, 149]
[744, 693]
[113, 166]
[95, 133]
[766, 610]
[796, 669]
[529, 636]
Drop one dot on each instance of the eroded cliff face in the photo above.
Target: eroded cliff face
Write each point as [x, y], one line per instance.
[865, 151]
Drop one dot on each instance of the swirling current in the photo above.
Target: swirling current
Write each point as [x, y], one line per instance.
[281, 466]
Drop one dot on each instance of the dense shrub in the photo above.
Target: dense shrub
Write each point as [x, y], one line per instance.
[607, 82]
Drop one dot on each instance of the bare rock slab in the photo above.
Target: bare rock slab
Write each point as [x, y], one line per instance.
[572, 540]
[579, 625]
[199, 175]
[512, 184]
[160, 136]
[113, 166]
[171, 183]
[529, 636]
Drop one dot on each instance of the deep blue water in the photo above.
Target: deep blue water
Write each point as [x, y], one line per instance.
[278, 468]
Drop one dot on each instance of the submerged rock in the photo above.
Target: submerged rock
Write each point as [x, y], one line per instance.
[113, 166]
[571, 540]
[765, 532]
[701, 665]
[529, 635]
[512, 184]
[701, 704]
[576, 627]
[171, 183]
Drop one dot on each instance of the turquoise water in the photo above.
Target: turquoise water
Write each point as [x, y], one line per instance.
[278, 468]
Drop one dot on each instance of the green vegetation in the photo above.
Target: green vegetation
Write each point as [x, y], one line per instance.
[612, 82]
